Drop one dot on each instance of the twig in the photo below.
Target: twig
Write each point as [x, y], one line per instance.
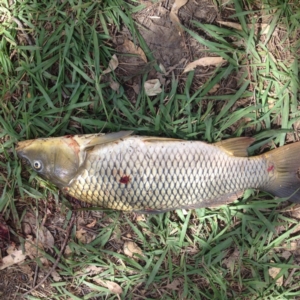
[19, 23]
[289, 278]
[68, 231]
[35, 275]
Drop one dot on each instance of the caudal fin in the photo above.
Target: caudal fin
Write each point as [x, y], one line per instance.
[285, 163]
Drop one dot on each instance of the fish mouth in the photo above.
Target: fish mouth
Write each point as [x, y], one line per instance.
[20, 149]
[21, 146]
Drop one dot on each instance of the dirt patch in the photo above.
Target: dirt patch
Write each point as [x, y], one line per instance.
[171, 50]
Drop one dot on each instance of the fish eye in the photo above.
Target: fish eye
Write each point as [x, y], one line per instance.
[37, 165]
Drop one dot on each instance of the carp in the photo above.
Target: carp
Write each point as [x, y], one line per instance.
[122, 171]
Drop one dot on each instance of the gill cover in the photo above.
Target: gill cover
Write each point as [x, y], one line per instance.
[59, 159]
[55, 159]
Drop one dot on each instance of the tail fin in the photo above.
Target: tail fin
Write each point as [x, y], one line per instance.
[286, 164]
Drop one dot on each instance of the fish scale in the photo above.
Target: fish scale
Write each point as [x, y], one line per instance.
[141, 176]
[150, 174]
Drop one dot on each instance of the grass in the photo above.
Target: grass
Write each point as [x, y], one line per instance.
[54, 87]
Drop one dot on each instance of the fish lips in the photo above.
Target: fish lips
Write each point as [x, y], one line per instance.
[20, 149]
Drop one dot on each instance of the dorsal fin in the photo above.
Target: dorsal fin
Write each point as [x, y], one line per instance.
[154, 139]
[236, 146]
[91, 140]
[108, 138]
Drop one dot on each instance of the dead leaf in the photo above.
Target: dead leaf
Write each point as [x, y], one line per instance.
[174, 284]
[93, 270]
[33, 250]
[131, 248]
[56, 277]
[133, 49]
[177, 5]
[112, 286]
[231, 25]
[292, 246]
[174, 12]
[214, 89]
[80, 235]
[152, 87]
[114, 85]
[136, 88]
[140, 218]
[175, 20]
[112, 65]
[45, 237]
[84, 236]
[286, 254]
[230, 261]
[259, 27]
[29, 224]
[68, 251]
[204, 62]
[91, 225]
[163, 69]
[11, 248]
[27, 270]
[14, 258]
[273, 272]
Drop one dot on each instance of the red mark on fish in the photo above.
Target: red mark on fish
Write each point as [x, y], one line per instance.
[125, 179]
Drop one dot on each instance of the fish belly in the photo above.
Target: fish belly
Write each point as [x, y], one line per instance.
[138, 175]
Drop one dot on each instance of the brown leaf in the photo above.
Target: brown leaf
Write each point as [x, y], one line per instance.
[214, 89]
[173, 14]
[286, 254]
[15, 257]
[204, 61]
[177, 5]
[114, 85]
[136, 87]
[140, 218]
[91, 225]
[93, 270]
[133, 49]
[56, 277]
[175, 20]
[84, 236]
[113, 64]
[27, 270]
[45, 237]
[68, 251]
[259, 27]
[152, 87]
[80, 235]
[11, 248]
[33, 250]
[292, 246]
[273, 272]
[112, 286]
[174, 284]
[29, 224]
[131, 248]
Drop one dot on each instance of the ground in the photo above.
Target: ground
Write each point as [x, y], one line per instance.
[53, 82]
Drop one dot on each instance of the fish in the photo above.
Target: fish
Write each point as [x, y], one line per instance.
[126, 172]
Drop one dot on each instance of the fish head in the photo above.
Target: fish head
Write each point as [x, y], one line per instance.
[55, 159]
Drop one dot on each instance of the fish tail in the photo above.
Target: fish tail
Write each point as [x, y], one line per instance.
[284, 169]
